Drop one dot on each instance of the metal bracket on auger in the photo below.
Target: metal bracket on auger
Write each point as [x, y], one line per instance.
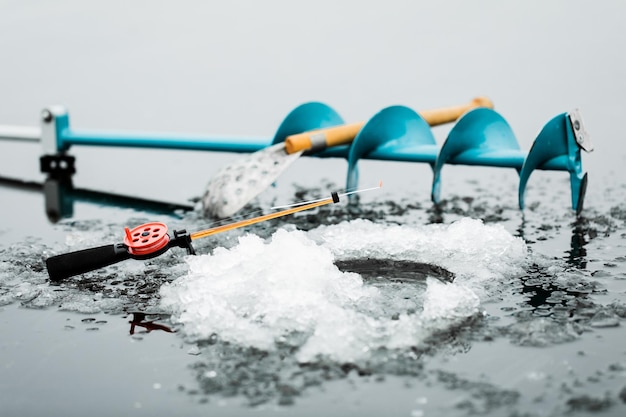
[578, 127]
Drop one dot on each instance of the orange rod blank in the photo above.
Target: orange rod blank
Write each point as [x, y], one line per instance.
[270, 216]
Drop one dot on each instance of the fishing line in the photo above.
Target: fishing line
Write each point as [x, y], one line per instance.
[344, 194]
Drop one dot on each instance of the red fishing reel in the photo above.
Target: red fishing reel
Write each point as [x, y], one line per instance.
[150, 239]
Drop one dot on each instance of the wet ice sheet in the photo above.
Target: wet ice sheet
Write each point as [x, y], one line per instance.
[553, 303]
[287, 290]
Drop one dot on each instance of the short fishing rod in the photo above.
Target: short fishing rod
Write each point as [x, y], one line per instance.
[150, 240]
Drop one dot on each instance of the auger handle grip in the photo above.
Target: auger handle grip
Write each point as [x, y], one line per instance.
[76, 263]
[435, 117]
[317, 140]
[320, 139]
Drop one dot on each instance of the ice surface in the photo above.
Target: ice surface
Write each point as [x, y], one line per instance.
[287, 290]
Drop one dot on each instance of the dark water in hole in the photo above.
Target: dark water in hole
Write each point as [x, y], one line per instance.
[394, 271]
[547, 341]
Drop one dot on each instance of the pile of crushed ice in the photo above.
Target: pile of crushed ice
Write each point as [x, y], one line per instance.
[287, 291]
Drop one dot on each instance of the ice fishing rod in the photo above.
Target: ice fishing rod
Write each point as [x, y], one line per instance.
[151, 239]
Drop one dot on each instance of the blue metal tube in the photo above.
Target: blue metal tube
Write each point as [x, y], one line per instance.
[68, 137]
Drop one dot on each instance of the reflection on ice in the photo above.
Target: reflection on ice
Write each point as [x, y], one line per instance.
[288, 291]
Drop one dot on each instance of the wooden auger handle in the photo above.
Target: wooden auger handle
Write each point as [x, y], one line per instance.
[342, 135]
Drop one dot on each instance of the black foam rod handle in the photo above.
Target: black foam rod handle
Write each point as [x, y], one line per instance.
[75, 263]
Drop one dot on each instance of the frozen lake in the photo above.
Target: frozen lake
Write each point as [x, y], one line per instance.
[396, 307]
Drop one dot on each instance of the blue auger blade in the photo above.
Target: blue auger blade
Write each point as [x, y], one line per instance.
[306, 117]
[481, 137]
[556, 148]
[396, 133]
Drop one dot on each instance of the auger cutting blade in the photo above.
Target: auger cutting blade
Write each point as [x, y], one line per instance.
[237, 184]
